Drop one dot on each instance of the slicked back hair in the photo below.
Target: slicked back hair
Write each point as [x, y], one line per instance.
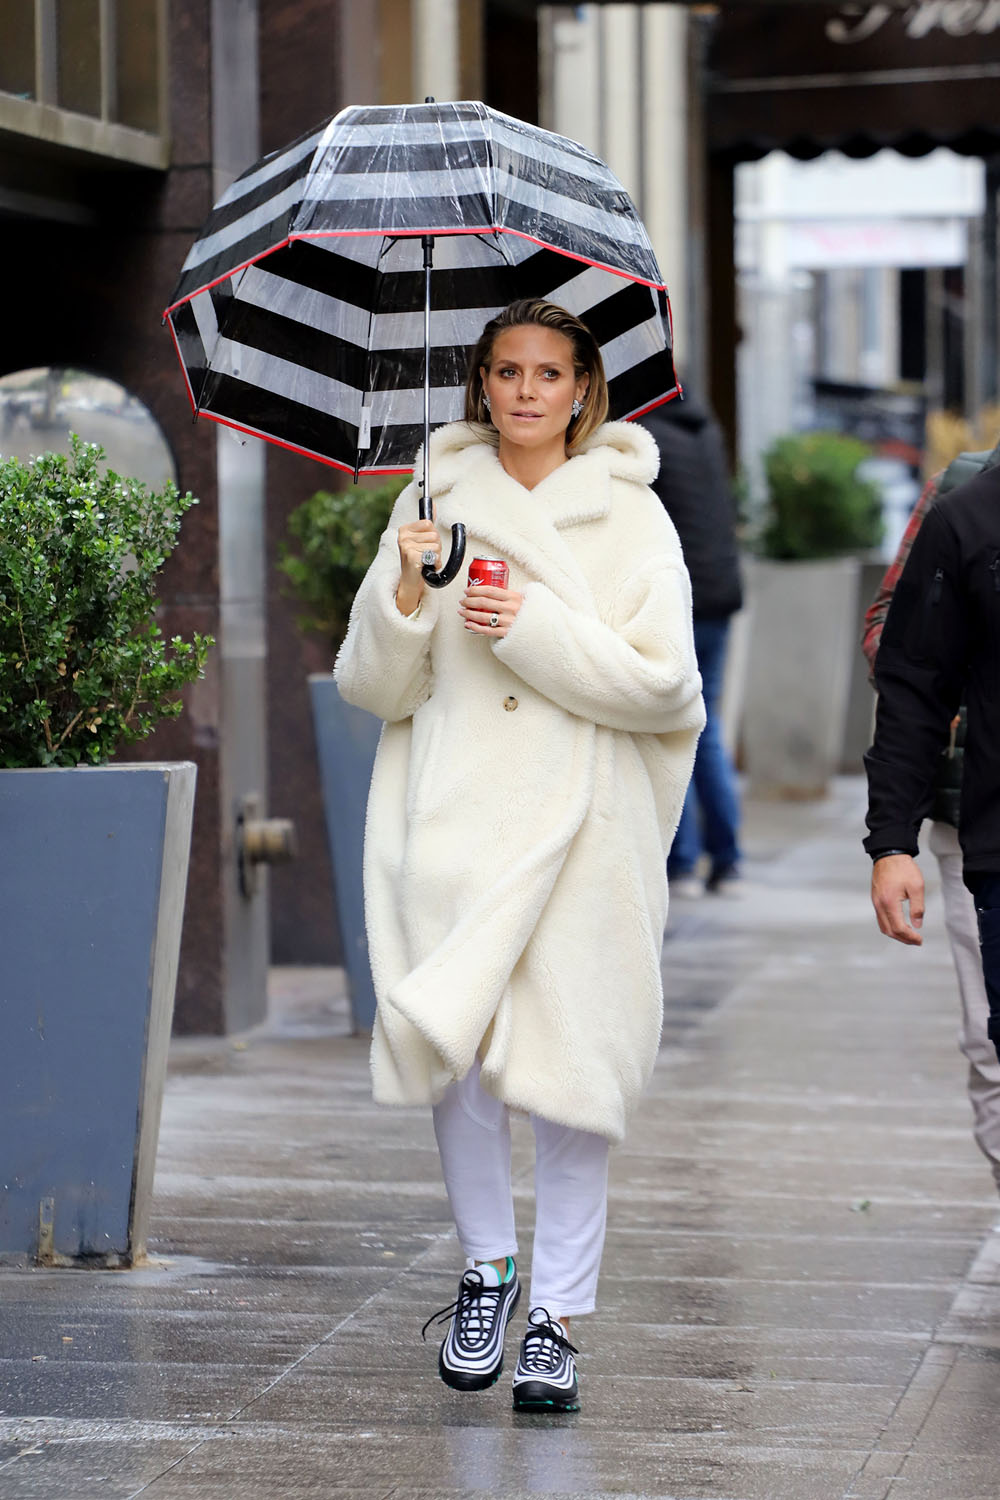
[535, 312]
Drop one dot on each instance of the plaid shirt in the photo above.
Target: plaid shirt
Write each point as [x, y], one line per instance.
[879, 607]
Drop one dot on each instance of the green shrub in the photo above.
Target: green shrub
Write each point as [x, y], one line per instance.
[816, 504]
[84, 668]
[337, 535]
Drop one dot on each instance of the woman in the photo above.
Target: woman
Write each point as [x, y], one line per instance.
[537, 746]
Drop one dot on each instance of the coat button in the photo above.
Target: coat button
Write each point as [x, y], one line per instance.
[510, 704]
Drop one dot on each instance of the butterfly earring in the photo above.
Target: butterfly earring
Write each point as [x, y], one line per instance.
[577, 406]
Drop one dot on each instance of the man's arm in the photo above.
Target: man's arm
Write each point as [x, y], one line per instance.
[919, 674]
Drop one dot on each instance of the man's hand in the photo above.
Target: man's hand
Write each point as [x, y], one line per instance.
[896, 880]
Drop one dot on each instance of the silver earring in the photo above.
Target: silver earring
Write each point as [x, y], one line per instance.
[486, 403]
[577, 406]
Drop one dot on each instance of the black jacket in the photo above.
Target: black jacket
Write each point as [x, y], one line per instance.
[694, 489]
[942, 640]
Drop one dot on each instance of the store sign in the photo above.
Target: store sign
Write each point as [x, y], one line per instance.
[957, 18]
[818, 76]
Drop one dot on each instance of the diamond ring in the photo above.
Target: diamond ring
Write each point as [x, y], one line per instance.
[494, 619]
[428, 558]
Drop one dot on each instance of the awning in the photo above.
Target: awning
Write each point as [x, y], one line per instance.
[854, 78]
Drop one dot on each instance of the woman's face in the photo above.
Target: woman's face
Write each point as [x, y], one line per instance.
[532, 384]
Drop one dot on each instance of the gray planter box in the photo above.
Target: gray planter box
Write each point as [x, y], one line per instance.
[92, 884]
[802, 650]
[346, 741]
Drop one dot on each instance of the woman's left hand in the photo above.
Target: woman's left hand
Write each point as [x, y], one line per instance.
[489, 610]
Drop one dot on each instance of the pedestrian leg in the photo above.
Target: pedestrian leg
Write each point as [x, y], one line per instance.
[686, 848]
[571, 1196]
[985, 887]
[714, 780]
[473, 1136]
[963, 934]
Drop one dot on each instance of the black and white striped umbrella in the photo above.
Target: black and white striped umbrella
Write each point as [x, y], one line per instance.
[299, 315]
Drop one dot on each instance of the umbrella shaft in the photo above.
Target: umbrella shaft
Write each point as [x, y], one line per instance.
[427, 241]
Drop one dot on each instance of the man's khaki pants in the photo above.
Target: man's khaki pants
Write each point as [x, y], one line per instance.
[963, 933]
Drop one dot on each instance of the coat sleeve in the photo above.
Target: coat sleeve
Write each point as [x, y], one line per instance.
[920, 674]
[384, 664]
[638, 674]
[879, 607]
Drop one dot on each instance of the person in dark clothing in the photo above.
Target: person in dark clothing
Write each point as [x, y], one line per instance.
[940, 643]
[694, 488]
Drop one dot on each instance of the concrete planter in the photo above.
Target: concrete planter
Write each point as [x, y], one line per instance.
[802, 648]
[346, 741]
[92, 885]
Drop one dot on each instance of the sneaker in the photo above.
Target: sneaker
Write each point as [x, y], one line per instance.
[545, 1378]
[686, 887]
[471, 1356]
[725, 881]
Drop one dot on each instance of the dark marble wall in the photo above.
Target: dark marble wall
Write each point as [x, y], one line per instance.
[92, 298]
[299, 87]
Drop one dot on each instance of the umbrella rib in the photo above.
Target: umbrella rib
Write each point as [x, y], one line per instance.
[372, 314]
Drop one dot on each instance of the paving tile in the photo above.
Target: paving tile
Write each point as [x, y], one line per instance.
[800, 1297]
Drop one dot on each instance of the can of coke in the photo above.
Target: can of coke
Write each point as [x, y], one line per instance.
[488, 570]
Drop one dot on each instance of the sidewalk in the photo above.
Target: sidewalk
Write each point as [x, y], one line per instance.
[801, 1291]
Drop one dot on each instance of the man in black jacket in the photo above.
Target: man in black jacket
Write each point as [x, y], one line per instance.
[941, 641]
[693, 485]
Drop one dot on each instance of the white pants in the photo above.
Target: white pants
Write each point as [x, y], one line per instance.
[963, 933]
[571, 1194]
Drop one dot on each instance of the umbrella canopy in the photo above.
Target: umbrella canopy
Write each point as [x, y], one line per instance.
[299, 315]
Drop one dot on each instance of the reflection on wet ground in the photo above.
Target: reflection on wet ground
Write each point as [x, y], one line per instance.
[800, 1298]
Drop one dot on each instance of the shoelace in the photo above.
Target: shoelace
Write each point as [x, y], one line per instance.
[542, 1349]
[474, 1320]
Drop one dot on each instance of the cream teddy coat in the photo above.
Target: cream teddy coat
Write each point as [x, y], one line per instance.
[526, 790]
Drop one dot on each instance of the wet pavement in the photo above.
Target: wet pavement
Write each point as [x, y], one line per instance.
[801, 1291]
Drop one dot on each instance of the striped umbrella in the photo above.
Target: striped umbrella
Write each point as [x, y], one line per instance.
[334, 296]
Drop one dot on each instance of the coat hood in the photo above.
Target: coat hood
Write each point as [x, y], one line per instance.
[630, 451]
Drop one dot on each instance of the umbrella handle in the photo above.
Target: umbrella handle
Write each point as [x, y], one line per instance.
[451, 567]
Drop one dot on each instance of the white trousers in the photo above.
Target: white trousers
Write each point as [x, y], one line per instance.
[963, 933]
[571, 1194]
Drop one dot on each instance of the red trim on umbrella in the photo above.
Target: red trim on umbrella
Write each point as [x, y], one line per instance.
[226, 275]
[296, 448]
[634, 416]
[404, 234]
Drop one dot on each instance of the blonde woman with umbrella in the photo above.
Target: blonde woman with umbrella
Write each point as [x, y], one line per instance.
[537, 746]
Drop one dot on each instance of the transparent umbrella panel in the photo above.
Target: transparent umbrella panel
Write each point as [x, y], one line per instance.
[300, 312]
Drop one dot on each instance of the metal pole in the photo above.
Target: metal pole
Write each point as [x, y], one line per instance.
[437, 580]
[427, 241]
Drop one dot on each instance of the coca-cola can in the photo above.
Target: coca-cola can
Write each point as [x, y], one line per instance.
[488, 570]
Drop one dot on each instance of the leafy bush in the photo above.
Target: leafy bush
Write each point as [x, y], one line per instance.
[84, 667]
[816, 504]
[337, 535]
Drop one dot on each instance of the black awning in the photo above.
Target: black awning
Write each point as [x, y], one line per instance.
[854, 78]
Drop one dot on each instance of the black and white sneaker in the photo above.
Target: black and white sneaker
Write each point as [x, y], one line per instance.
[545, 1378]
[471, 1356]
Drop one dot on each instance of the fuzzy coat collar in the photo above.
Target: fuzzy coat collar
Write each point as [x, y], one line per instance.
[526, 526]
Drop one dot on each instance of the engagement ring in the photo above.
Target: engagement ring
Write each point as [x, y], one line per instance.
[428, 558]
[494, 620]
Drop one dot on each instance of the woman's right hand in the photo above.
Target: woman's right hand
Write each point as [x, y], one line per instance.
[413, 541]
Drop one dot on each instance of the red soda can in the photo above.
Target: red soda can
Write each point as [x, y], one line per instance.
[488, 570]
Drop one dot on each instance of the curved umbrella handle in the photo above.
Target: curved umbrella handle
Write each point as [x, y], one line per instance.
[451, 567]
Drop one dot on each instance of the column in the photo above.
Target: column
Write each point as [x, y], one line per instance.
[242, 645]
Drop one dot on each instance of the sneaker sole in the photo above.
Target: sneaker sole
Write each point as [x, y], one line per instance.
[535, 1396]
[462, 1380]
